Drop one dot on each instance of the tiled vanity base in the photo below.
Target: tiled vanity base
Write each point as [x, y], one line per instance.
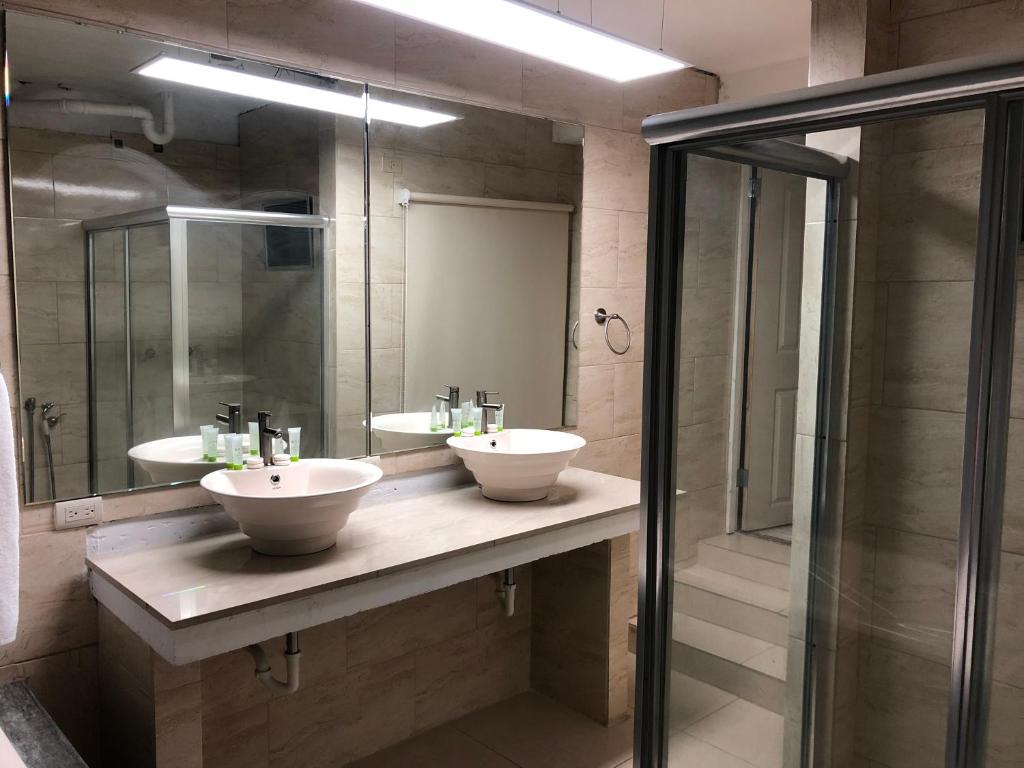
[383, 673]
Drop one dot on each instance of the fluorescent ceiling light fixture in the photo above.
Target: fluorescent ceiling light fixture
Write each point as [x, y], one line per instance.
[284, 92]
[539, 34]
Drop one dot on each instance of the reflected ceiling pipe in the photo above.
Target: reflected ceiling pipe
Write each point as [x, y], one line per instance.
[143, 114]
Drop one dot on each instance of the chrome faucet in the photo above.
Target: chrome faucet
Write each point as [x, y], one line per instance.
[233, 419]
[481, 402]
[267, 435]
[452, 398]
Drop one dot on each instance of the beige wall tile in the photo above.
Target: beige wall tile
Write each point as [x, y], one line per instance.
[1007, 664]
[448, 64]
[198, 21]
[316, 727]
[135, 185]
[663, 93]
[179, 727]
[989, 28]
[595, 401]
[56, 612]
[915, 463]
[616, 456]
[926, 345]
[928, 209]
[394, 630]
[628, 398]
[49, 249]
[37, 313]
[632, 256]
[569, 645]
[32, 184]
[914, 596]
[512, 183]
[905, 707]
[566, 94]
[615, 171]
[701, 456]
[599, 248]
[700, 514]
[345, 38]
[456, 677]
[238, 739]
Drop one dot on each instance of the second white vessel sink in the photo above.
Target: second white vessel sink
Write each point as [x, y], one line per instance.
[293, 510]
[174, 459]
[517, 464]
[403, 431]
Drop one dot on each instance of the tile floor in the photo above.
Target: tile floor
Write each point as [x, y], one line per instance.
[709, 729]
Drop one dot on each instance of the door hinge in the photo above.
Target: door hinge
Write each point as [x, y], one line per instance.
[742, 477]
[755, 187]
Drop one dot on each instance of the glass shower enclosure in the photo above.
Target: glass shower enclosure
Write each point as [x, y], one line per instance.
[192, 307]
[849, 592]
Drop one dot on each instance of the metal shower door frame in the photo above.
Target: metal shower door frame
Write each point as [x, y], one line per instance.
[994, 84]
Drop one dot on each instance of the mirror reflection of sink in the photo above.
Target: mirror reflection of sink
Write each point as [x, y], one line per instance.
[402, 431]
[174, 459]
[293, 510]
[517, 464]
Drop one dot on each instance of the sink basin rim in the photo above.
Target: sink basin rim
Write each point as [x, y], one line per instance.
[373, 475]
[482, 443]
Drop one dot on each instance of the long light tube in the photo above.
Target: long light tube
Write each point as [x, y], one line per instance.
[284, 92]
[538, 33]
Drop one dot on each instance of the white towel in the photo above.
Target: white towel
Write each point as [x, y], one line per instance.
[10, 513]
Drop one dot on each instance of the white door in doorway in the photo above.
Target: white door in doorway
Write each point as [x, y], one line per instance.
[774, 351]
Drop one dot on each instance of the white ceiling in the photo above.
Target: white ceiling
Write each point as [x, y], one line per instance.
[721, 36]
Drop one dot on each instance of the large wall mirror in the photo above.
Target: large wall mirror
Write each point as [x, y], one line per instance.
[193, 243]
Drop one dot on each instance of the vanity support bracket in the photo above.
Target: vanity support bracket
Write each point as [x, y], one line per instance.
[265, 675]
[507, 591]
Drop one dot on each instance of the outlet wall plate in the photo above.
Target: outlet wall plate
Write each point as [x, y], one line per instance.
[77, 512]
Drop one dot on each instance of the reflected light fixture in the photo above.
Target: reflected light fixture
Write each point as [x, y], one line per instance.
[242, 83]
[538, 33]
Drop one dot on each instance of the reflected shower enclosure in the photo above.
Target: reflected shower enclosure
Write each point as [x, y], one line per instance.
[192, 307]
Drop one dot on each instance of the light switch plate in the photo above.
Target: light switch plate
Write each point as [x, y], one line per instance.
[77, 512]
[391, 164]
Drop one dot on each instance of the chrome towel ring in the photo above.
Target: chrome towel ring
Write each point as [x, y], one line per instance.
[603, 318]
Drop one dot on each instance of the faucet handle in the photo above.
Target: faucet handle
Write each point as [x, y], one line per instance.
[482, 395]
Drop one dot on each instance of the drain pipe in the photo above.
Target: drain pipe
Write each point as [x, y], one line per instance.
[291, 656]
[143, 114]
[507, 591]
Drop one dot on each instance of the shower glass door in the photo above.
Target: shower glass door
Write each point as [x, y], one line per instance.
[883, 628]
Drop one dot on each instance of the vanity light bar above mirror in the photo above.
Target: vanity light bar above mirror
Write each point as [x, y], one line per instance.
[538, 33]
[241, 83]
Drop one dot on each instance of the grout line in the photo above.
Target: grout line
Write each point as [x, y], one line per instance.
[454, 725]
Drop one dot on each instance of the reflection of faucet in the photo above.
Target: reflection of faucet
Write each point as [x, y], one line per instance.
[481, 402]
[233, 419]
[267, 435]
[452, 398]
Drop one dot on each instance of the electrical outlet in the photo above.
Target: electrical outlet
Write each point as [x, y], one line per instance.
[77, 512]
[391, 165]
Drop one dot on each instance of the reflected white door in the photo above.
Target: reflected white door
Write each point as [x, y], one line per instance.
[774, 351]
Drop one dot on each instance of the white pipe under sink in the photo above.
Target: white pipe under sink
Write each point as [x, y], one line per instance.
[265, 675]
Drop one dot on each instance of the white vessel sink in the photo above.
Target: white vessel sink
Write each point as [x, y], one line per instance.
[402, 431]
[178, 458]
[293, 510]
[517, 464]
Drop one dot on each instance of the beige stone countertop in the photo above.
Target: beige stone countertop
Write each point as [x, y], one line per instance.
[217, 575]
